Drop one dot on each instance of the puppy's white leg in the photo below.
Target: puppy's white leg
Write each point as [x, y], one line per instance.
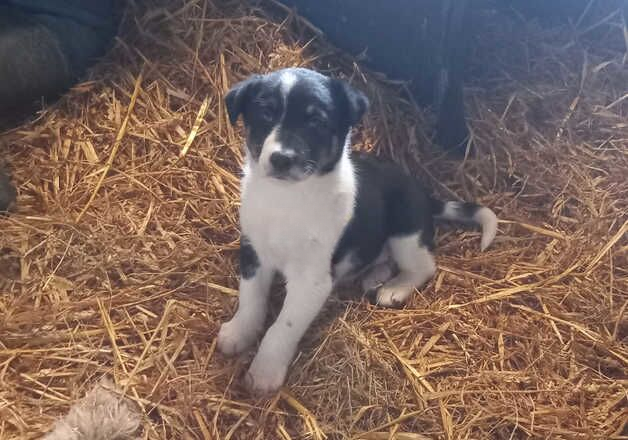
[416, 266]
[241, 332]
[243, 329]
[306, 295]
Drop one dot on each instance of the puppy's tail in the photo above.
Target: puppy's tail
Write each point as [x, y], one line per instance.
[466, 212]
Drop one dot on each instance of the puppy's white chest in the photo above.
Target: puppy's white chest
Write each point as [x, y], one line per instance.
[292, 223]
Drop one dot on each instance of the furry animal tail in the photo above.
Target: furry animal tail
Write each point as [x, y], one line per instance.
[102, 414]
[466, 212]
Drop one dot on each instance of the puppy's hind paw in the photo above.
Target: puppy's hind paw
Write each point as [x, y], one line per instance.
[393, 297]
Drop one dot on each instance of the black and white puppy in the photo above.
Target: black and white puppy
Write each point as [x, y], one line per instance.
[320, 214]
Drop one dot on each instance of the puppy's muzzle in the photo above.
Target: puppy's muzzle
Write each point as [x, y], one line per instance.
[285, 165]
[282, 161]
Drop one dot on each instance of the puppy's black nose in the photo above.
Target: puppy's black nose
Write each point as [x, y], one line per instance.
[282, 160]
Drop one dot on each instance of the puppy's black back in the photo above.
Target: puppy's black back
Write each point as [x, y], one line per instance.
[389, 203]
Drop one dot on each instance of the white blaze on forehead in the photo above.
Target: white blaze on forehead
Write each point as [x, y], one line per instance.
[287, 80]
[271, 144]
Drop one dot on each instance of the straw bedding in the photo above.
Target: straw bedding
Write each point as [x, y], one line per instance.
[120, 261]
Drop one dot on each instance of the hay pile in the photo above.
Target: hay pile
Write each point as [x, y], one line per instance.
[120, 260]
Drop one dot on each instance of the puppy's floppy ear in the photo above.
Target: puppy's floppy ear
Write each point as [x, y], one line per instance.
[236, 98]
[356, 102]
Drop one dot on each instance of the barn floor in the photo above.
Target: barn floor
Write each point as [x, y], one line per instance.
[130, 276]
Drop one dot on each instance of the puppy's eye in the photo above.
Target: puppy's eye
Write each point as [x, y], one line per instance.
[316, 121]
[267, 114]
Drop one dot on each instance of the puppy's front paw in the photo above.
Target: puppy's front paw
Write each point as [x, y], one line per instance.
[234, 338]
[265, 378]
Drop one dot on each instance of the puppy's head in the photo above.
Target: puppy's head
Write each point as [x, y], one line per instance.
[296, 120]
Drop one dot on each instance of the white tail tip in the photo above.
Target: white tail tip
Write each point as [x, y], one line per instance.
[488, 220]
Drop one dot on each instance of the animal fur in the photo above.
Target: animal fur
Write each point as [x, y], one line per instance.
[102, 414]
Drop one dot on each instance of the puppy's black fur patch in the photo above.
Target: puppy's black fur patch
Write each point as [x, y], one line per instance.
[249, 262]
[389, 203]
